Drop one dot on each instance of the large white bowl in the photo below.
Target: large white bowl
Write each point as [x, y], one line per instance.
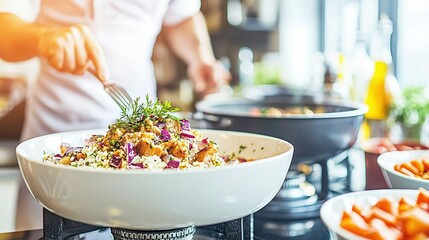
[332, 210]
[170, 199]
[395, 179]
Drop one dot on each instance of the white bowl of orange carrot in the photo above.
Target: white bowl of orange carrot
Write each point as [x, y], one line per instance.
[378, 214]
[405, 169]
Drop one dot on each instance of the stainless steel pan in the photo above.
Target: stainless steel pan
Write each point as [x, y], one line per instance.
[315, 137]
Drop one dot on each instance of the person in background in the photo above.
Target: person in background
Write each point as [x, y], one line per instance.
[83, 42]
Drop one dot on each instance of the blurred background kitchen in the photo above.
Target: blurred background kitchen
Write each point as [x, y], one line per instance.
[372, 51]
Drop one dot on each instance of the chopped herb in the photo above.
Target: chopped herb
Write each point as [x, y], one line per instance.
[242, 148]
[133, 119]
[115, 143]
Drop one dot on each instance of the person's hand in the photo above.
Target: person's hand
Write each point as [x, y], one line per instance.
[73, 50]
[208, 77]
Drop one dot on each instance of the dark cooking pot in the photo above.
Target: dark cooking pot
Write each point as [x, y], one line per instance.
[316, 137]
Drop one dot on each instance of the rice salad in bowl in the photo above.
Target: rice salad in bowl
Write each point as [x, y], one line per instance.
[147, 136]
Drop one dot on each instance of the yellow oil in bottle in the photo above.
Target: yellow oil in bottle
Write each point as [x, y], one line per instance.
[378, 103]
[383, 86]
[377, 98]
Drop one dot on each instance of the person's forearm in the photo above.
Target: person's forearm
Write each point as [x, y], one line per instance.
[71, 49]
[19, 39]
[190, 40]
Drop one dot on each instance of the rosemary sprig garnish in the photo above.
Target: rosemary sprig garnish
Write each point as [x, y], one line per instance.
[133, 118]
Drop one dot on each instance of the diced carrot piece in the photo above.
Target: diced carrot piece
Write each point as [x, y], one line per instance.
[410, 167]
[388, 204]
[404, 207]
[382, 231]
[405, 204]
[386, 217]
[357, 209]
[364, 213]
[426, 164]
[419, 165]
[354, 223]
[406, 200]
[424, 206]
[398, 232]
[406, 215]
[414, 222]
[346, 215]
[406, 172]
[423, 196]
[420, 236]
[397, 167]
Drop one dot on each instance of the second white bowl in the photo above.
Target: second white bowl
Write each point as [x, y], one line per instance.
[395, 179]
[332, 210]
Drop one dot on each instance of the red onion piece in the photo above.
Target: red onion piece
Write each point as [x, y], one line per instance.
[185, 125]
[131, 151]
[186, 134]
[165, 135]
[173, 164]
[115, 161]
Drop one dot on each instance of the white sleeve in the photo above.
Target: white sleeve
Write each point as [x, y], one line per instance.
[27, 10]
[179, 10]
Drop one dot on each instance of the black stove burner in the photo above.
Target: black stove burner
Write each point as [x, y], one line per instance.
[296, 199]
[174, 234]
[301, 196]
[56, 227]
[296, 189]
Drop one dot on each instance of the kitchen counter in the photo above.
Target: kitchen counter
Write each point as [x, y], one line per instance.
[9, 183]
[9, 192]
[7, 153]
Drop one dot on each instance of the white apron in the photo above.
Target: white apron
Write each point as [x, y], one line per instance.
[126, 30]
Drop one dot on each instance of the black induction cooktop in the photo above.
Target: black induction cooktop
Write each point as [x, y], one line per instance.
[263, 229]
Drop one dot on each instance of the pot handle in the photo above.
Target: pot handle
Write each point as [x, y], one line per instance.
[213, 120]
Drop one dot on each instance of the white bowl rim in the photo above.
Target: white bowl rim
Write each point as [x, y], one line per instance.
[383, 158]
[165, 171]
[335, 227]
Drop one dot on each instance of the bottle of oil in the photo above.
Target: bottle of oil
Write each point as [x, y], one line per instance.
[383, 86]
[362, 69]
